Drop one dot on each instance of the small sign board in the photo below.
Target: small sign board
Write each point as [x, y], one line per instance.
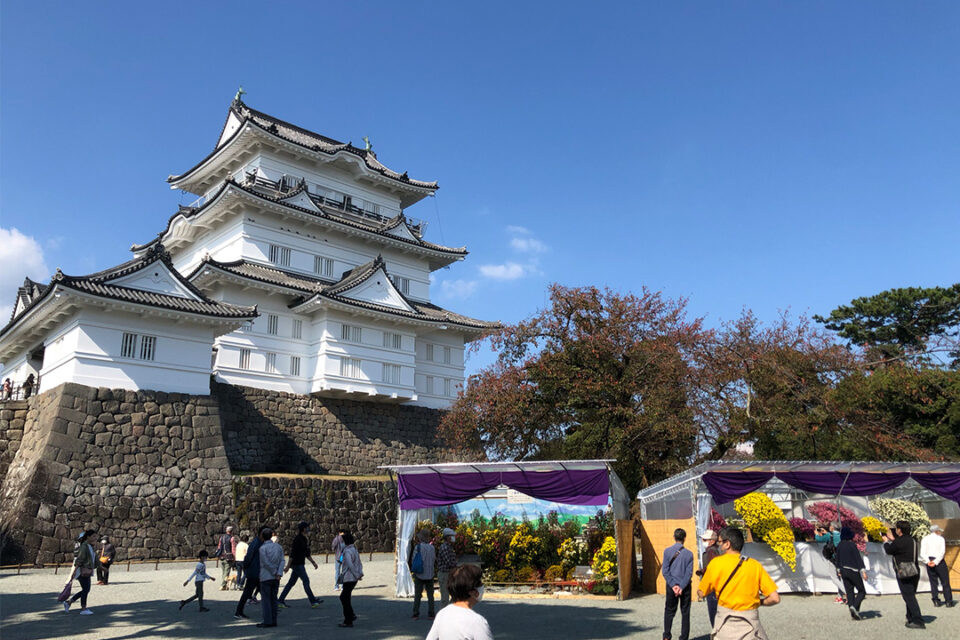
[515, 497]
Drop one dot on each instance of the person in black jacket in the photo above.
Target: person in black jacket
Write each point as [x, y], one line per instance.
[251, 567]
[850, 567]
[297, 565]
[905, 550]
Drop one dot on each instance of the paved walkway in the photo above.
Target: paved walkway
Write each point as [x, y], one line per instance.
[142, 604]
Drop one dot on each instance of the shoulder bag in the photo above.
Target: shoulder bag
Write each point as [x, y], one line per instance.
[907, 570]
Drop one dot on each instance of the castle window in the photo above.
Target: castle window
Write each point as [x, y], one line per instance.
[403, 284]
[392, 341]
[447, 386]
[244, 358]
[391, 373]
[429, 354]
[272, 324]
[323, 266]
[350, 333]
[428, 384]
[295, 365]
[280, 255]
[446, 355]
[349, 368]
[298, 329]
[147, 344]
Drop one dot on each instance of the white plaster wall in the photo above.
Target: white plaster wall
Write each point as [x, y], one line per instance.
[224, 244]
[16, 369]
[437, 369]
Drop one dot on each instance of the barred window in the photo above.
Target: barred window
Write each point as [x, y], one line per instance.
[392, 341]
[280, 255]
[272, 323]
[295, 365]
[323, 266]
[428, 384]
[271, 366]
[297, 329]
[350, 333]
[244, 358]
[429, 355]
[129, 347]
[391, 373]
[447, 386]
[403, 284]
[148, 345]
[349, 367]
[446, 355]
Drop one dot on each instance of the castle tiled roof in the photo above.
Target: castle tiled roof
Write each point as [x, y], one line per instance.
[376, 229]
[102, 285]
[308, 140]
[316, 289]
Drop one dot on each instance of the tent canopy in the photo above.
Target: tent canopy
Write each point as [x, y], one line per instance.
[580, 482]
[729, 480]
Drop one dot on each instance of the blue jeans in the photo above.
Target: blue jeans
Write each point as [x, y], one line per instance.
[268, 600]
[298, 572]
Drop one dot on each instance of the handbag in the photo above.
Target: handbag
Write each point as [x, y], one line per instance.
[416, 565]
[906, 570]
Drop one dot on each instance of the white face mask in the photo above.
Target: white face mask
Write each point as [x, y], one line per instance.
[480, 593]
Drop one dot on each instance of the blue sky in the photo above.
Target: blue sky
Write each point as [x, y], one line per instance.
[764, 155]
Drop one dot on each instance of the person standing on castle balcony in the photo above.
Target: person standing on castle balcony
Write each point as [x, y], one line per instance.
[271, 570]
[27, 386]
[224, 552]
[297, 566]
[251, 572]
[7, 389]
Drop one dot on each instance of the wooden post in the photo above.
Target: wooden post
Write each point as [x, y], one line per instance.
[18, 568]
[56, 568]
[156, 567]
[128, 565]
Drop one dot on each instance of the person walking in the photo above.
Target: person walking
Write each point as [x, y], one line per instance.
[446, 562]
[742, 586]
[337, 548]
[199, 576]
[224, 553]
[107, 553]
[239, 556]
[271, 569]
[297, 566]
[677, 570]
[711, 551]
[422, 562]
[459, 621]
[905, 551]
[351, 572]
[852, 571]
[829, 535]
[83, 565]
[932, 551]
[251, 573]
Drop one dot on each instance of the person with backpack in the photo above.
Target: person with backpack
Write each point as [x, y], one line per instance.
[852, 571]
[225, 547]
[830, 538]
[84, 562]
[905, 551]
[677, 570]
[422, 562]
[251, 572]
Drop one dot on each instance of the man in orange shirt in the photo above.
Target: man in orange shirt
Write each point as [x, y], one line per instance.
[738, 583]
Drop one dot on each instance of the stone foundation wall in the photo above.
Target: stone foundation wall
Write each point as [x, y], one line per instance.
[13, 416]
[273, 431]
[368, 508]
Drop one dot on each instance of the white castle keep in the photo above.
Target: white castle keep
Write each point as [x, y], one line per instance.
[296, 270]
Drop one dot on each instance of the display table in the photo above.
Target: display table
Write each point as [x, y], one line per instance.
[814, 572]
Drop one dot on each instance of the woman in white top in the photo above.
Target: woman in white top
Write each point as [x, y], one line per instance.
[459, 621]
[351, 572]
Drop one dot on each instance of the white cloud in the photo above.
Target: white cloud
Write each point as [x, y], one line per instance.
[507, 271]
[527, 245]
[518, 230]
[457, 289]
[21, 256]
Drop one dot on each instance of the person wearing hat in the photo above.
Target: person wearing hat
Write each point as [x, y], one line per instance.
[932, 550]
[224, 552]
[446, 562]
[297, 566]
[710, 551]
[83, 566]
[107, 553]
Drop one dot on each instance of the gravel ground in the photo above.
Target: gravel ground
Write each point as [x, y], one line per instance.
[142, 604]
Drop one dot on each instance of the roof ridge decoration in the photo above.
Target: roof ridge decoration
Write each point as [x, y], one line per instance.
[192, 212]
[301, 137]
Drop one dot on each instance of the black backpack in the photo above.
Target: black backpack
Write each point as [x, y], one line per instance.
[830, 551]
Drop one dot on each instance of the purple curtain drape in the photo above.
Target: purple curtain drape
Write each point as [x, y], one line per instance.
[858, 483]
[725, 487]
[576, 486]
[942, 484]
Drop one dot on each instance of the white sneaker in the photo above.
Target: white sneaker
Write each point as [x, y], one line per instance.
[66, 606]
[86, 612]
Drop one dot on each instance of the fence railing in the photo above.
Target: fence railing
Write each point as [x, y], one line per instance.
[20, 392]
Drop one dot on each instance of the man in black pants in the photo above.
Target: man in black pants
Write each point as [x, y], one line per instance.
[297, 566]
[932, 550]
[677, 571]
[251, 569]
[905, 551]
